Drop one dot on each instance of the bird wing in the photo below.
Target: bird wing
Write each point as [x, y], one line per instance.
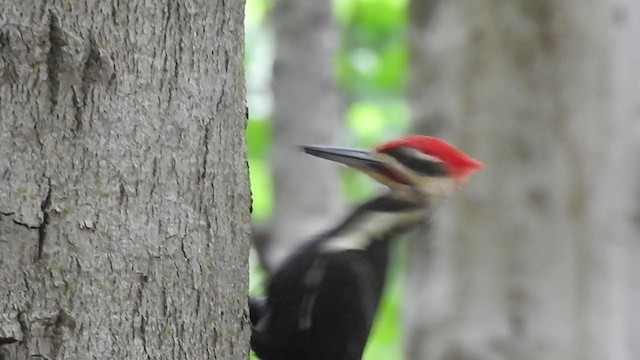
[320, 309]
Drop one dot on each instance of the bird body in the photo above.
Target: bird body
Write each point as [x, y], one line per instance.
[321, 302]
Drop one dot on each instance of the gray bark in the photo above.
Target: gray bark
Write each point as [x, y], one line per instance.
[536, 259]
[307, 193]
[124, 198]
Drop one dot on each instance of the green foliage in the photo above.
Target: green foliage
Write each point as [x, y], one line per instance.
[258, 144]
[371, 72]
[382, 15]
[255, 12]
[386, 337]
[373, 56]
[373, 122]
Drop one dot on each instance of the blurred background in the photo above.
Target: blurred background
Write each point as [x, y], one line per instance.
[537, 257]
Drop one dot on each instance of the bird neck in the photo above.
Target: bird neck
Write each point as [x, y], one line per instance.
[376, 220]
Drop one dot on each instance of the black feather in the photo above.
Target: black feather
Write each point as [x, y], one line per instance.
[321, 304]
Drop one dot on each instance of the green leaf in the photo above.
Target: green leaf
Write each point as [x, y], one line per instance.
[261, 188]
[391, 71]
[382, 15]
[375, 122]
[255, 12]
[258, 138]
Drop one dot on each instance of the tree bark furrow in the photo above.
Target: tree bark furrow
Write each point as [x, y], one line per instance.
[104, 160]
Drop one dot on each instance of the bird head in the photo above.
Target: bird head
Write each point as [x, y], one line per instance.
[413, 165]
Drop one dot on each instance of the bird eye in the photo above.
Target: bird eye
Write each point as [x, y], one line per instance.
[422, 164]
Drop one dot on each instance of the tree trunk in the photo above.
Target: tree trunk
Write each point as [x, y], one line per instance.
[307, 193]
[535, 259]
[124, 198]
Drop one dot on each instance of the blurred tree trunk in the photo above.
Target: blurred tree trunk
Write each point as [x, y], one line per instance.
[124, 200]
[307, 193]
[537, 258]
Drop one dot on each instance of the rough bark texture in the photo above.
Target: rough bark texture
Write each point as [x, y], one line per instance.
[537, 259]
[123, 183]
[307, 193]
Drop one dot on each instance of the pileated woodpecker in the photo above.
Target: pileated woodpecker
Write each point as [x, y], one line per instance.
[321, 302]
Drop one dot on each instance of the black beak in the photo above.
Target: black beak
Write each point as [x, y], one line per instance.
[355, 158]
